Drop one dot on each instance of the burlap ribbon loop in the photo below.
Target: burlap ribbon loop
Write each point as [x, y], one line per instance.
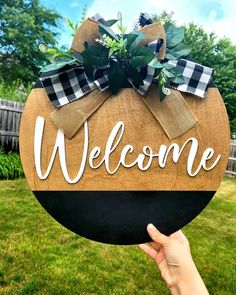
[173, 114]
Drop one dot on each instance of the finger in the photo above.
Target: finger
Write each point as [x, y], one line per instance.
[156, 235]
[149, 251]
[155, 245]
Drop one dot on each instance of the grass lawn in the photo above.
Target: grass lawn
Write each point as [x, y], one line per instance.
[39, 256]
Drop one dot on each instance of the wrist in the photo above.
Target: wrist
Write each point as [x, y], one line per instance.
[188, 281]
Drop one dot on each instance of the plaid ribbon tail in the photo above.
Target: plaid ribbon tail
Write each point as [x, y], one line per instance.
[144, 19]
[197, 77]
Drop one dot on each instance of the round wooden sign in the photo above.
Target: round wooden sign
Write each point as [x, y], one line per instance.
[121, 171]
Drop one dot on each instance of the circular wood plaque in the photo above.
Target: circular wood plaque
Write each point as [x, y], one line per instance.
[110, 202]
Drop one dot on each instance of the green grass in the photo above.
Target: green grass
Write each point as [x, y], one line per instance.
[39, 256]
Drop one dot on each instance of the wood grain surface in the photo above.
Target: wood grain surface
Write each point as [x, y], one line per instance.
[88, 31]
[154, 32]
[141, 128]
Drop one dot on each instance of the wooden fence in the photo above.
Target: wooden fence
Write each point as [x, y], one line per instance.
[10, 115]
[231, 168]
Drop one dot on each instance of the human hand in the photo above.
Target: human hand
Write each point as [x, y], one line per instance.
[174, 260]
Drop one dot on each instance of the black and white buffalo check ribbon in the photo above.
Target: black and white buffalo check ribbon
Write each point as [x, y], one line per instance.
[197, 77]
[71, 83]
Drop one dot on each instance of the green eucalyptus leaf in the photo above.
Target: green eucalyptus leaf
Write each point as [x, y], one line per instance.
[172, 75]
[116, 77]
[89, 71]
[182, 49]
[162, 95]
[96, 55]
[160, 85]
[178, 52]
[111, 22]
[136, 77]
[104, 30]
[168, 73]
[141, 56]
[168, 66]
[130, 38]
[111, 52]
[156, 64]
[174, 71]
[174, 35]
[57, 66]
[163, 82]
[170, 55]
[157, 73]
[178, 80]
[140, 37]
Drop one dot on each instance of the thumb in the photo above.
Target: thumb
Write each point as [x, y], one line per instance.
[156, 235]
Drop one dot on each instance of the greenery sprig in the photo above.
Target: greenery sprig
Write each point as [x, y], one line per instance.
[121, 53]
[175, 50]
[74, 27]
[58, 58]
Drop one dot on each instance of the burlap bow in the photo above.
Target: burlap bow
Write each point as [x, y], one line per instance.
[173, 113]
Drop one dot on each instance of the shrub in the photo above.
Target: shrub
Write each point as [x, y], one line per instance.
[15, 92]
[10, 165]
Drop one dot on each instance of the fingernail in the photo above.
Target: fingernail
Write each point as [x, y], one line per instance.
[151, 227]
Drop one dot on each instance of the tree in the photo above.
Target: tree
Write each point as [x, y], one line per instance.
[219, 54]
[164, 17]
[23, 26]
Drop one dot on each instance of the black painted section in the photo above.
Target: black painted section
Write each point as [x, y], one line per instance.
[121, 217]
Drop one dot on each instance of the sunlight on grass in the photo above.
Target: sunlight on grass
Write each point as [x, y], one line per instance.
[39, 256]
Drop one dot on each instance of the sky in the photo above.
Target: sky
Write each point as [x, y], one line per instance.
[217, 16]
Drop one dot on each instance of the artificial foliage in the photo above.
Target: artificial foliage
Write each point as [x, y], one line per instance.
[123, 56]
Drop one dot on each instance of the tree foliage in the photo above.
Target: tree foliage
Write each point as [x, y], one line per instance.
[219, 54]
[23, 26]
[164, 17]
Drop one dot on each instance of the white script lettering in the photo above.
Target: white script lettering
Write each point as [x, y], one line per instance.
[112, 143]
